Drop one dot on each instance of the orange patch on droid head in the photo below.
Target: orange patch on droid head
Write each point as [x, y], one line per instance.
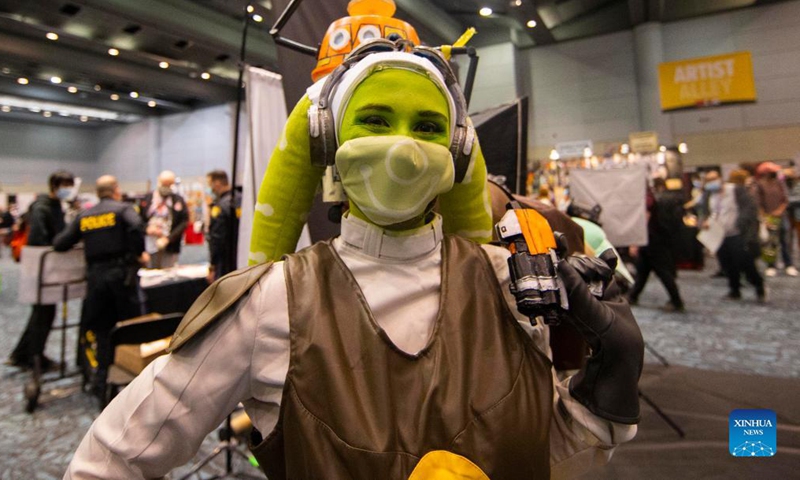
[368, 19]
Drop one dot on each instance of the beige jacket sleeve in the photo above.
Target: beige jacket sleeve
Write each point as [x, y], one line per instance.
[158, 422]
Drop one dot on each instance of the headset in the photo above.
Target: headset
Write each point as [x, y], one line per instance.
[322, 127]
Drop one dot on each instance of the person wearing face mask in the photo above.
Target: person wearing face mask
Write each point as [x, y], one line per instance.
[165, 217]
[46, 219]
[113, 238]
[393, 350]
[223, 225]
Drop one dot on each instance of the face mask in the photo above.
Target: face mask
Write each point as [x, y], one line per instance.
[165, 191]
[392, 179]
[713, 186]
[64, 193]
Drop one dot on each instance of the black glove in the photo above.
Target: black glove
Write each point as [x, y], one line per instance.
[608, 384]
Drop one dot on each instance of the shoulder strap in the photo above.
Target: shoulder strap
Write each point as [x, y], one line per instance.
[214, 301]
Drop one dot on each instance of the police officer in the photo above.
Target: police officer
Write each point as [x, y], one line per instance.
[224, 224]
[113, 238]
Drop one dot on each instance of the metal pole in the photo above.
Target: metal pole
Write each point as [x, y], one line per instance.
[239, 96]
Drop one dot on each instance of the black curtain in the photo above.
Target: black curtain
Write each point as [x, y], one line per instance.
[503, 133]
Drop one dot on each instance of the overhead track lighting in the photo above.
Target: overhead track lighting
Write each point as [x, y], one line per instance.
[114, 97]
[72, 89]
[113, 52]
[485, 11]
[5, 108]
[258, 18]
[531, 23]
[47, 114]
[55, 80]
[134, 95]
[205, 75]
[151, 103]
[163, 64]
[52, 36]
[38, 106]
[22, 81]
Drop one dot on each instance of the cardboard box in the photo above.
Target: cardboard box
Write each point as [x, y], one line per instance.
[134, 358]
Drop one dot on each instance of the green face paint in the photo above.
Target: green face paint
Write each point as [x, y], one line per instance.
[392, 179]
[397, 102]
[394, 157]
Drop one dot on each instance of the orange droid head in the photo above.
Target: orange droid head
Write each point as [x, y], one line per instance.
[368, 19]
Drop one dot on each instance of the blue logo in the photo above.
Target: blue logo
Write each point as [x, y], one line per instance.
[752, 433]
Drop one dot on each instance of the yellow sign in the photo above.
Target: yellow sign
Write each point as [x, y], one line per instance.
[643, 142]
[707, 81]
[96, 222]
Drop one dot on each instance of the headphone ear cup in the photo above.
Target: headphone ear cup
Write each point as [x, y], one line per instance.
[322, 137]
[457, 149]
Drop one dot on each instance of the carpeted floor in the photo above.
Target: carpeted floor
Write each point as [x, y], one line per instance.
[724, 355]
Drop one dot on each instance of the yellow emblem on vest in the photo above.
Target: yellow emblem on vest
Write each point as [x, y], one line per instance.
[239, 212]
[215, 211]
[96, 222]
[443, 465]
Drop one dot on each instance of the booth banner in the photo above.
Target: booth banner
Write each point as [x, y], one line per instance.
[59, 269]
[707, 81]
[620, 192]
[266, 110]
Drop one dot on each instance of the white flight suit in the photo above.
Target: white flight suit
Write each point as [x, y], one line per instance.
[159, 421]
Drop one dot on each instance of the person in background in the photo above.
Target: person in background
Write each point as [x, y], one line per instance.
[773, 201]
[113, 238]
[736, 210]
[544, 195]
[223, 226]
[657, 255]
[165, 217]
[45, 219]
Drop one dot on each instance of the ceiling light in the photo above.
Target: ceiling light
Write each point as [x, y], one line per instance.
[47, 114]
[5, 70]
[97, 88]
[625, 149]
[205, 75]
[114, 97]
[151, 103]
[76, 111]
[662, 148]
[250, 9]
[52, 36]
[5, 108]
[163, 64]
[134, 94]
[72, 89]
[517, 3]
[531, 23]
[64, 114]
[683, 148]
[113, 52]
[554, 154]
[22, 81]
[258, 18]
[55, 80]
[485, 11]
[84, 118]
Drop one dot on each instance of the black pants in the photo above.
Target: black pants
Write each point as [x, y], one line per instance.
[112, 296]
[736, 259]
[34, 338]
[660, 261]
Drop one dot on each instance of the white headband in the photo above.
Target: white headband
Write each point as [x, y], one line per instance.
[369, 65]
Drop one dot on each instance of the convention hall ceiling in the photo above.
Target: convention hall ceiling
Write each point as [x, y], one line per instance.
[122, 60]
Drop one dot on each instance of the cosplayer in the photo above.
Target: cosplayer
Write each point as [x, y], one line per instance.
[293, 174]
[392, 351]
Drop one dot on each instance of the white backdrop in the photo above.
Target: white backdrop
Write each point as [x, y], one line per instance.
[621, 193]
[266, 109]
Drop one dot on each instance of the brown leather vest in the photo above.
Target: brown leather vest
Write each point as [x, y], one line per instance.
[357, 407]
